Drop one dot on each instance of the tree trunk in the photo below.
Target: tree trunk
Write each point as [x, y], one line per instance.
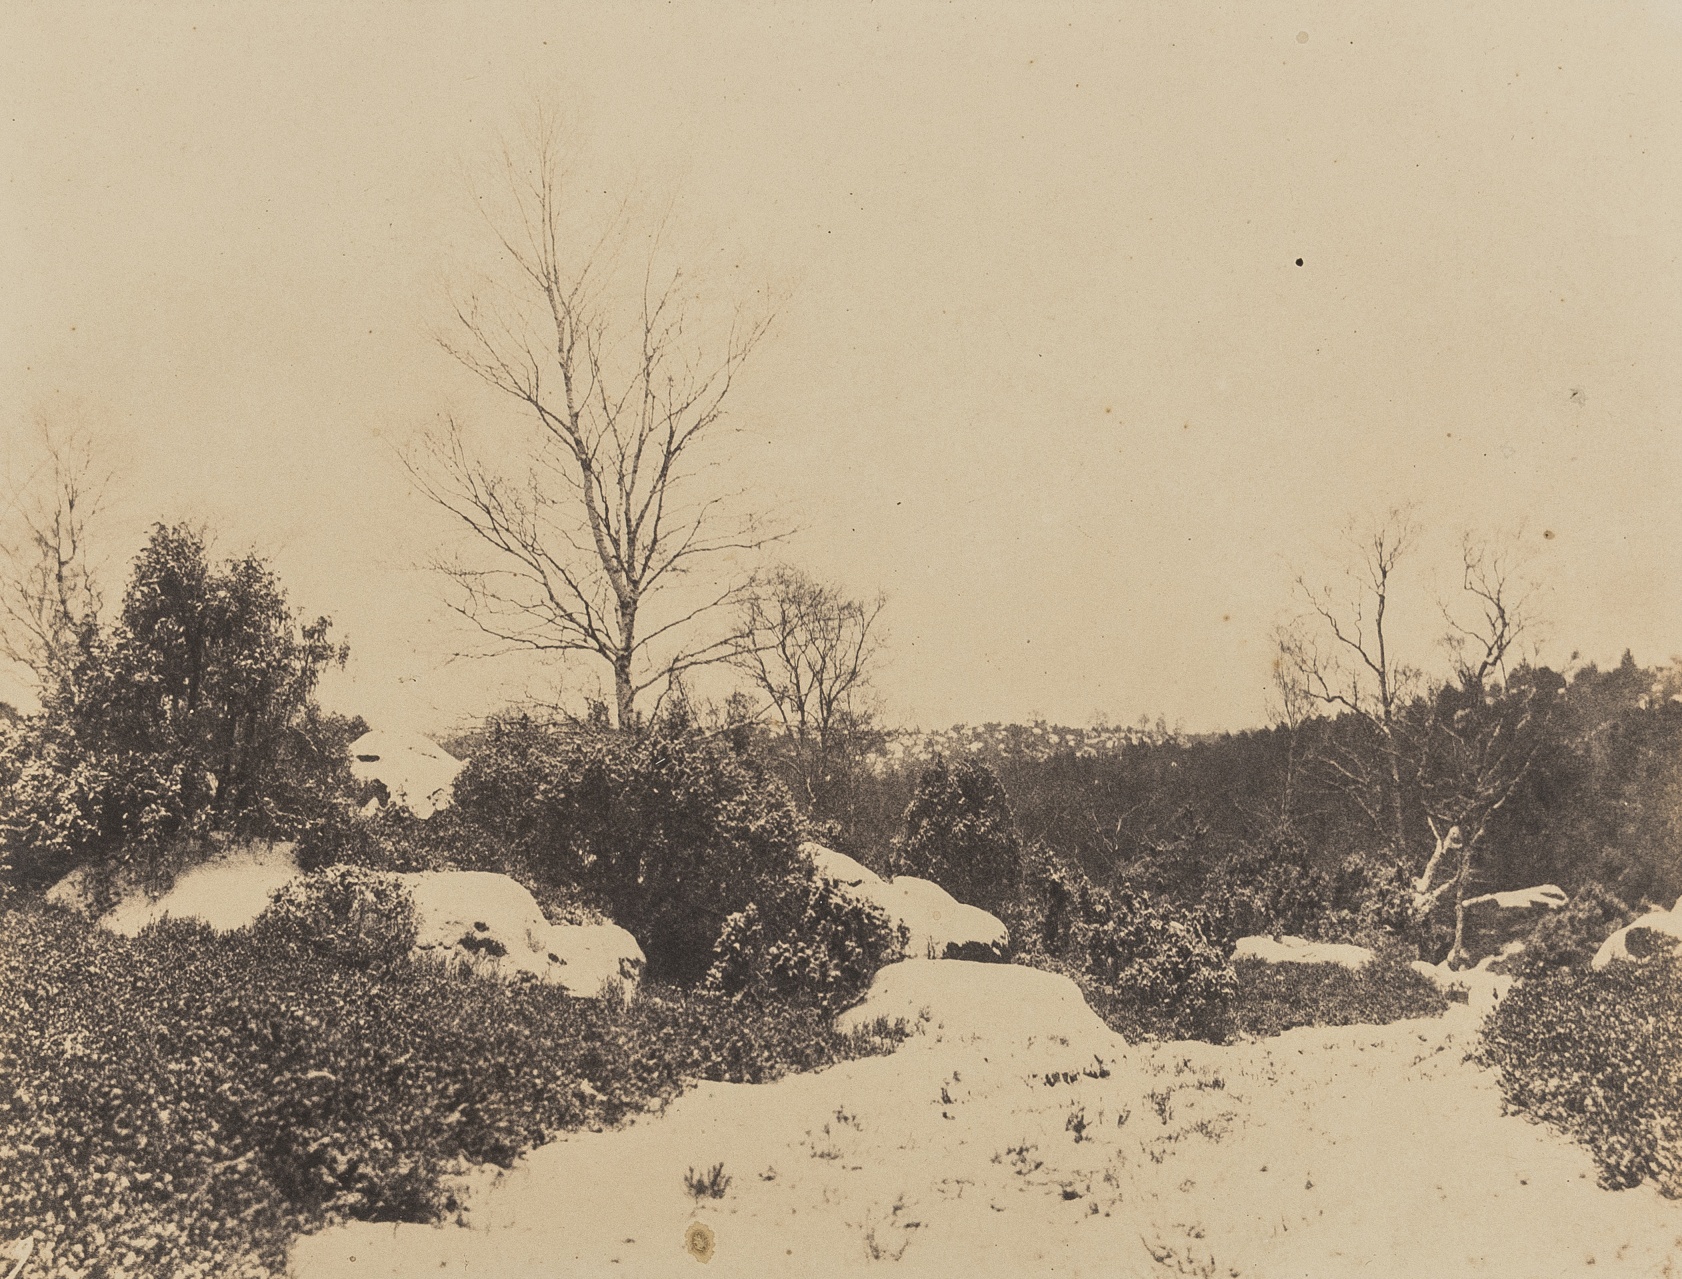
[1398, 821]
[1457, 952]
[624, 693]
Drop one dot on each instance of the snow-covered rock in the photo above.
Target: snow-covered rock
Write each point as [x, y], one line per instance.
[493, 924]
[843, 869]
[1299, 950]
[1494, 921]
[1005, 1008]
[1653, 934]
[938, 925]
[414, 770]
[1483, 989]
[592, 956]
[227, 891]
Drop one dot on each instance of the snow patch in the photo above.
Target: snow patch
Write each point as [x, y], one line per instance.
[1299, 950]
[227, 892]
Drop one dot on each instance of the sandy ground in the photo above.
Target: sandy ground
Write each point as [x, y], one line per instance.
[1015, 1135]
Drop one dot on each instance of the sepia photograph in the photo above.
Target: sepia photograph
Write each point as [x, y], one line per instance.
[753, 638]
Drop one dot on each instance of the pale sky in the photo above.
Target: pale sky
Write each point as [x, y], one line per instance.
[1049, 374]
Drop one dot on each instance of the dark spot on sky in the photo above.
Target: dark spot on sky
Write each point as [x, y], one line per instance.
[1299, 261]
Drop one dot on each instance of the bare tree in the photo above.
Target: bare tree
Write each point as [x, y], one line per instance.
[1495, 611]
[621, 394]
[1341, 658]
[1476, 743]
[48, 583]
[810, 650]
[1457, 748]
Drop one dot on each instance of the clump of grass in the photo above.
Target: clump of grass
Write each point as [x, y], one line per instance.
[711, 1184]
[1594, 1054]
[878, 1234]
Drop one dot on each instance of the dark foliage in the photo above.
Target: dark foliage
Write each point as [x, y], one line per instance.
[1568, 938]
[182, 1103]
[1595, 1055]
[1273, 998]
[808, 940]
[670, 830]
[1599, 802]
[960, 833]
[363, 918]
[193, 713]
[1148, 967]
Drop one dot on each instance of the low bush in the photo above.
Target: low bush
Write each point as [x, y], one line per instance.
[182, 1103]
[1595, 1055]
[1272, 998]
[1147, 967]
[1568, 938]
[365, 918]
[1264, 888]
[809, 940]
[1161, 958]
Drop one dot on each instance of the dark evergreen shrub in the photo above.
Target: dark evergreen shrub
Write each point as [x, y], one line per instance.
[365, 918]
[184, 1102]
[959, 832]
[669, 831]
[807, 941]
[1595, 1055]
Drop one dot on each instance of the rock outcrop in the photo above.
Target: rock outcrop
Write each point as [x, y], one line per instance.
[1299, 950]
[493, 925]
[938, 925]
[843, 869]
[414, 770]
[1656, 933]
[1008, 1008]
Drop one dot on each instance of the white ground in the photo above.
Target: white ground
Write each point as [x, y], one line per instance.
[1359, 1151]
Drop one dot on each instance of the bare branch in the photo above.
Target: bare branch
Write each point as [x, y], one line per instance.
[622, 393]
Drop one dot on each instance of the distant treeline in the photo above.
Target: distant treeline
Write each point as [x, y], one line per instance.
[1600, 798]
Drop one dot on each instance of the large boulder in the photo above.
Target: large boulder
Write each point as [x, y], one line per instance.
[228, 890]
[1656, 933]
[415, 770]
[937, 925]
[491, 924]
[1494, 921]
[1299, 950]
[1006, 1011]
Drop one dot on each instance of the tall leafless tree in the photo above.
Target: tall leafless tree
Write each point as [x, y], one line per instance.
[810, 650]
[621, 393]
[1456, 748]
[1476, 748]
[48, 576]
[1492, 617]
[1341, 656]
